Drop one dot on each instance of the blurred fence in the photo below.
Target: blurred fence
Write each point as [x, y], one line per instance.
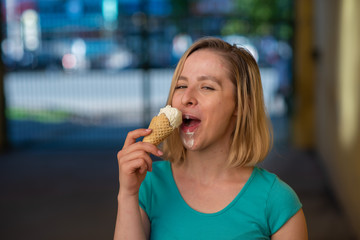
[95, 106]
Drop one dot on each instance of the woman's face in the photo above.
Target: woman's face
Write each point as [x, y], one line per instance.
[206, 96]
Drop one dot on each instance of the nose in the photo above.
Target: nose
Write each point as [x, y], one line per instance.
[189, 97]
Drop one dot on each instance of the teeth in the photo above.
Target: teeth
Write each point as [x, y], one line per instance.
[187, 117]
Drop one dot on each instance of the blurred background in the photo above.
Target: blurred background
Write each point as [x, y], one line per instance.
[77, 75]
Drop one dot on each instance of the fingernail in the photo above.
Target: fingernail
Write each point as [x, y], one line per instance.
[148, 130]
[160, 152]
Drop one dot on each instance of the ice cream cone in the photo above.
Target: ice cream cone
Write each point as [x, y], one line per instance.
[161, 129]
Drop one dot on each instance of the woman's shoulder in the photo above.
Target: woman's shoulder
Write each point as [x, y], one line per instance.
[161, 166]
[160, 177]
[264, 177]
[269, 182]
[160, 169]
[282, 201]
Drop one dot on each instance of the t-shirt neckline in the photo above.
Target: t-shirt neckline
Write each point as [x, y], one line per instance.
[229, 206]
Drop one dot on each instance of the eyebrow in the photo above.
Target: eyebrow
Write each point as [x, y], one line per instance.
[203, 78]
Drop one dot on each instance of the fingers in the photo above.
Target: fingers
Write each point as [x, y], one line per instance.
[131, 175]
[141, 146]
[133, 135]
[134, 161]
[138, 152]
[137, 165]
[139, 159]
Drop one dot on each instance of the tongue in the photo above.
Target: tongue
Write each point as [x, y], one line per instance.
[192, 122]
[190, 125]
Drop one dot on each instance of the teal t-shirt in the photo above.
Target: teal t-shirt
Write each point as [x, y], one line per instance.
[261, 208]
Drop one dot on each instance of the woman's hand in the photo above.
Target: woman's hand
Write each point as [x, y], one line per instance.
[134, 162]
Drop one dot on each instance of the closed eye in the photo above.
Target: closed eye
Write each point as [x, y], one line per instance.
[208, 88]
[180, 87]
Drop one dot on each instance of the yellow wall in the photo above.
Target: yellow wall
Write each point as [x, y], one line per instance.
[303, 121]
[348, 88]
[337, 97]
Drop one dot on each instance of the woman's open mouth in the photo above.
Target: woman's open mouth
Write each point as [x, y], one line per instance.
[190, 123]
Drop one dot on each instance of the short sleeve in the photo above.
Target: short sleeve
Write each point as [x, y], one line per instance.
[282, 204]
[145, 194]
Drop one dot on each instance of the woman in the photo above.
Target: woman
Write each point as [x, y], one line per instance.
[210, 187]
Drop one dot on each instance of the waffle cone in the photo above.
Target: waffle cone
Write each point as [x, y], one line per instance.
[161, 129]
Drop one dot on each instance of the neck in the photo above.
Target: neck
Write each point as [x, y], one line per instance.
[209, 168]
[206, 166]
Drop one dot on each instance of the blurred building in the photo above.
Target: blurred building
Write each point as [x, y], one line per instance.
[54, 51]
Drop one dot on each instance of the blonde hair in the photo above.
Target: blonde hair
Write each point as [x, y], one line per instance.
[252, 137]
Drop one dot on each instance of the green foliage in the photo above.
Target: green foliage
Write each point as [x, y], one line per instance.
[247, 17]
[262, 17]
[235, 26]
[46, 116]
[180, 7]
